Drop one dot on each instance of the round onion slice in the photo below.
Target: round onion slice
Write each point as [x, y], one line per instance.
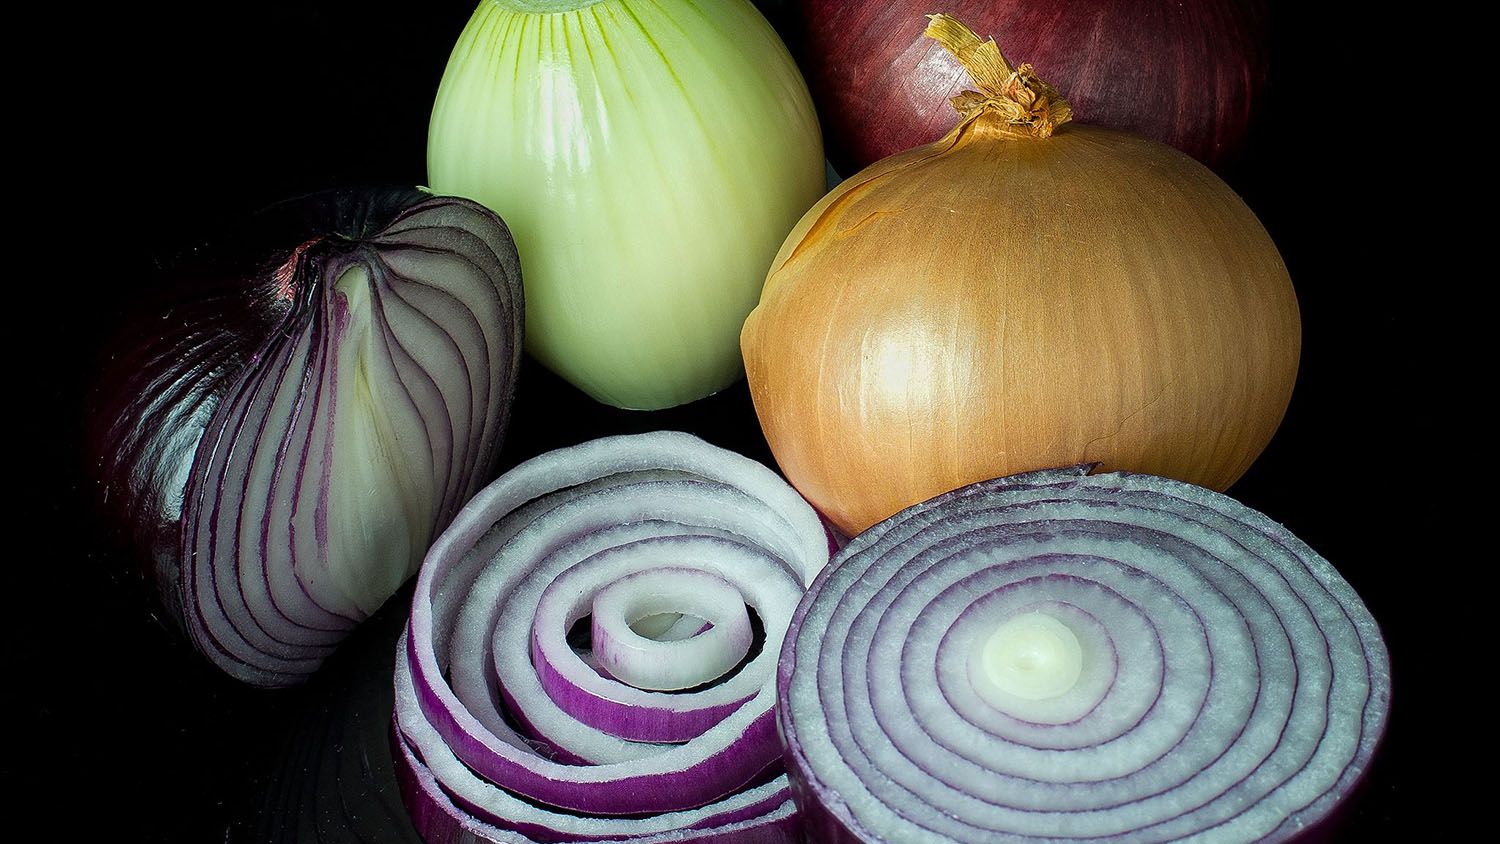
[660, 728]
[1060, 657]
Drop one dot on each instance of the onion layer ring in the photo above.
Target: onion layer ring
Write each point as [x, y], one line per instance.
[503, 730]
[1229, 685]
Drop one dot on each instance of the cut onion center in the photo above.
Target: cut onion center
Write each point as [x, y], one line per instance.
[669, 626]
[675, 660]
[1032, 656]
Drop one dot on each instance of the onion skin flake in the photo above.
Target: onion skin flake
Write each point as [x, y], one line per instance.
[1230, 686]
[301, 407]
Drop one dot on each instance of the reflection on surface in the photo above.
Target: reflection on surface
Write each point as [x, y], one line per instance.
[330, 778]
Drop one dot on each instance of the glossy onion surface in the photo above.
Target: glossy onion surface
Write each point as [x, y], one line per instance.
[1188, 74]
[512, 725]
[649, 156]
[992, 304]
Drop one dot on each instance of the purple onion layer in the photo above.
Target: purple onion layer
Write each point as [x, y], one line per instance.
[1220, 681]
[507, 729]
[299, 410]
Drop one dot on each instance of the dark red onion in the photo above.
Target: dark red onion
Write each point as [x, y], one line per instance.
[1185, 73]
[301, 407]
[507, 733]
[1056, 657]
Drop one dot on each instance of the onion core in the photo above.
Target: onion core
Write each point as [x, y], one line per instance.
[670, 664]
[1032, 656]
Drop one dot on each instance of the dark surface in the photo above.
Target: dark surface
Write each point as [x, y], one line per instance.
[195, 116]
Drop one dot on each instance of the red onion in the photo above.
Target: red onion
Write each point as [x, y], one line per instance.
[1184, 73]
[507, 729]
[308, 404]
[1056, 657]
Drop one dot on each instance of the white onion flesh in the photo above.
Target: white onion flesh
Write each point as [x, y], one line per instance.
[1196, 672]
[672, 664]
[505, 726]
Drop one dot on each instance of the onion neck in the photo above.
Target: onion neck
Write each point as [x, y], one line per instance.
[1016, 100]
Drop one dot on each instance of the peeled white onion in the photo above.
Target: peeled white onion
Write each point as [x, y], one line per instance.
[649, 156]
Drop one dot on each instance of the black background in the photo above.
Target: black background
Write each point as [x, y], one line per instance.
[180, 118]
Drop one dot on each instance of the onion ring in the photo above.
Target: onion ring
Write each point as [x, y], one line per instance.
[502, 727]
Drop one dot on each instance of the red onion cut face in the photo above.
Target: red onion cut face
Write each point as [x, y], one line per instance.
[310, 403]
[1059, 657]
[684, 563]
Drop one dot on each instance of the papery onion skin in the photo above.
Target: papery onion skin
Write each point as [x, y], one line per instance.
[293, 411]
[1188, 74]
[494, 736]
[1317, 670]
[995, 303]
[649, 155]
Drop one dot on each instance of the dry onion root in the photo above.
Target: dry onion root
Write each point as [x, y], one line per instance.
[662, 730]
[1055, 657]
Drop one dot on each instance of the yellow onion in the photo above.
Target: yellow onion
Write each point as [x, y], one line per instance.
[1020, 294]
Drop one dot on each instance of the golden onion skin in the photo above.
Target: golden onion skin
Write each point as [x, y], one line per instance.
[992, 304]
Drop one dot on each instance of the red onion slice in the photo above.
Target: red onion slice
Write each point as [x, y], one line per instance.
[1058, 657]
[503, 726]
[631, 710]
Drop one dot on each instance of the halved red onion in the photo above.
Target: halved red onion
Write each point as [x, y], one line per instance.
[311, 401]
[1059, 657]
[505, 729]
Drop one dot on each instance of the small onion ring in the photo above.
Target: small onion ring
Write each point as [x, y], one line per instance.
[1232, 685]
[672, 664]
[505, 734]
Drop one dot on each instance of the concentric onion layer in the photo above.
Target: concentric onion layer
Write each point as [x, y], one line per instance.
[667, 547]
[1055, 657]
[363, 423]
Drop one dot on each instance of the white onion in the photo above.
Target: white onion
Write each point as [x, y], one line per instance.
[650, 156]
